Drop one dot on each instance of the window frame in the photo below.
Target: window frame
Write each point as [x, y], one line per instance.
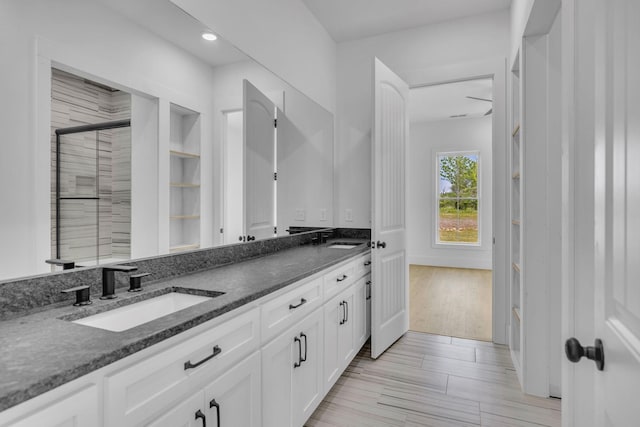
[436, 229]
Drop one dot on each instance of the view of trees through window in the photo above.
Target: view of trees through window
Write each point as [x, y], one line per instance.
[458, 198]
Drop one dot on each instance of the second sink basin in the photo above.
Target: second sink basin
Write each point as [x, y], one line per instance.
[342, 245]
[128, 316]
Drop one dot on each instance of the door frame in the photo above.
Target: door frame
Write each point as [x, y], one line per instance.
[494, 68]
[578, 204]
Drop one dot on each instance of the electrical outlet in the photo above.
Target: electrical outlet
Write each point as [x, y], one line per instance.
[348, 215]
[323, 214]
[299, 214]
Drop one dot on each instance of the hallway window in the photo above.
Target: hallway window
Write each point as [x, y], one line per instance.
[457, 199]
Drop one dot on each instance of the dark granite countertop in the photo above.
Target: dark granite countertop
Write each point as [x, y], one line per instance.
[40, 351]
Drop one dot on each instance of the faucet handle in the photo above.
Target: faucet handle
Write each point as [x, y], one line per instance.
[120, 268]
[135, 282]
[64, 263]
[82, 295]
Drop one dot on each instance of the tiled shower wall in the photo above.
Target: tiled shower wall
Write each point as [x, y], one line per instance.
[74, 102]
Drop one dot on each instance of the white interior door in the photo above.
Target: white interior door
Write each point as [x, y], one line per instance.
[390, 272]
[617, 214]
[259, 163]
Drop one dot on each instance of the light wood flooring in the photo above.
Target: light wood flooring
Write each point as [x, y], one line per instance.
[451, 301]
[432, 380]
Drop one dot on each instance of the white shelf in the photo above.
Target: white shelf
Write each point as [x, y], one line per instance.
[184, 185]
[184, 154]
[516, 313]
[184, 247]
[184, 180]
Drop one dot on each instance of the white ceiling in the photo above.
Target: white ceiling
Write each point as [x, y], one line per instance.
[440, 102]
[168, 21]
[355, 19]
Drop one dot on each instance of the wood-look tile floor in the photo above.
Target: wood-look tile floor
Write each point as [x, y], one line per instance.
[450, 301]
[433, 380]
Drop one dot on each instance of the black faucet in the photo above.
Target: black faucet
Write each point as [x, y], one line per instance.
[109, 279]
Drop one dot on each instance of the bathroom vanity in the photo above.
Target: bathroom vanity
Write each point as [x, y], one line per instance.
[263, 353]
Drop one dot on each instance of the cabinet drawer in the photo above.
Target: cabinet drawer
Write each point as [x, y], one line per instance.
[145, 390]
[362, 266]
[287, 309]
[338, 279]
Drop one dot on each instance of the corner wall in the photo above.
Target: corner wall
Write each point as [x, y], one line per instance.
[406, 52]
[282, 35]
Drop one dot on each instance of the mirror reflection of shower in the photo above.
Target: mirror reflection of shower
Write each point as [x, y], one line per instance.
[91, 171]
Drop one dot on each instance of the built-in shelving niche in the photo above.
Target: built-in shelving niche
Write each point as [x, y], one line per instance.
[184, 153]
[517, 319]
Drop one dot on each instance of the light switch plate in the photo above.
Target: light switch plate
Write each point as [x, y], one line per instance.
[323, 214]
[300, 215]
[348, 215]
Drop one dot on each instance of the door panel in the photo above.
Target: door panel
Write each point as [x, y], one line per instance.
[307, 384]
[390, 315]
[617, 215]
[277, 369]
[237, 396]
[259, 162]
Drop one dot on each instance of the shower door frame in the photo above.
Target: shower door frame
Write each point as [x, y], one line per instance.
[72, 130]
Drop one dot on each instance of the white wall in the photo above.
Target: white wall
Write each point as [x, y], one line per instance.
[519, 14]
[428, 138]
[282, 35]
[88, 39]
[465, 40]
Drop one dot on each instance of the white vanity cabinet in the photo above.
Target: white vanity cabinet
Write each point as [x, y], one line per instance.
[339, 341]
[142, 391]
[292, 374]
[80, 408]
[233, 399]
[268, 364]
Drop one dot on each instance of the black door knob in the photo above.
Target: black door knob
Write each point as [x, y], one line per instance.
[380, 244]
[251, 238]
[575, 351]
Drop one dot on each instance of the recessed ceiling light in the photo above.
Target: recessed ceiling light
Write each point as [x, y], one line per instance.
[209, 36]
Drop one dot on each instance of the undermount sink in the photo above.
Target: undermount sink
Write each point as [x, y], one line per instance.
[126, 317]
[342, 245]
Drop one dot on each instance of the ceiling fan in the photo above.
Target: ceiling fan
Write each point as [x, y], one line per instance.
[483, 99]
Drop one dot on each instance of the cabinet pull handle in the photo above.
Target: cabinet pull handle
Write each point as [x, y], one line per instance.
[368, 289]
[302, 301]
[299, 362]
[340, 279]
[199, 414]
[367, 264]
[214, 404]
[302, 335]
[216, 351]
[347, 315]
[342, 320]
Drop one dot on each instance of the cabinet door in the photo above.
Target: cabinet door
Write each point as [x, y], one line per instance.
[346, 337]
[277, 370]
[359, 313]
[188, 413]
[307, 384]
[368, 284]
[78, 409]
[338, 336]
[234, 398]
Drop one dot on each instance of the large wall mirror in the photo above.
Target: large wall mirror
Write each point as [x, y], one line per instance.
[151, 140]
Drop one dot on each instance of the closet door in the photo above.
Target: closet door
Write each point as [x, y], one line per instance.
[390, 290]
[259, 163]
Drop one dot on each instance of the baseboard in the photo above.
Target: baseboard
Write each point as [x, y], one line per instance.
[467, 262]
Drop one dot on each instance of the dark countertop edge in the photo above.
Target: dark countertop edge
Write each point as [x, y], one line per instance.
[33, 390]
